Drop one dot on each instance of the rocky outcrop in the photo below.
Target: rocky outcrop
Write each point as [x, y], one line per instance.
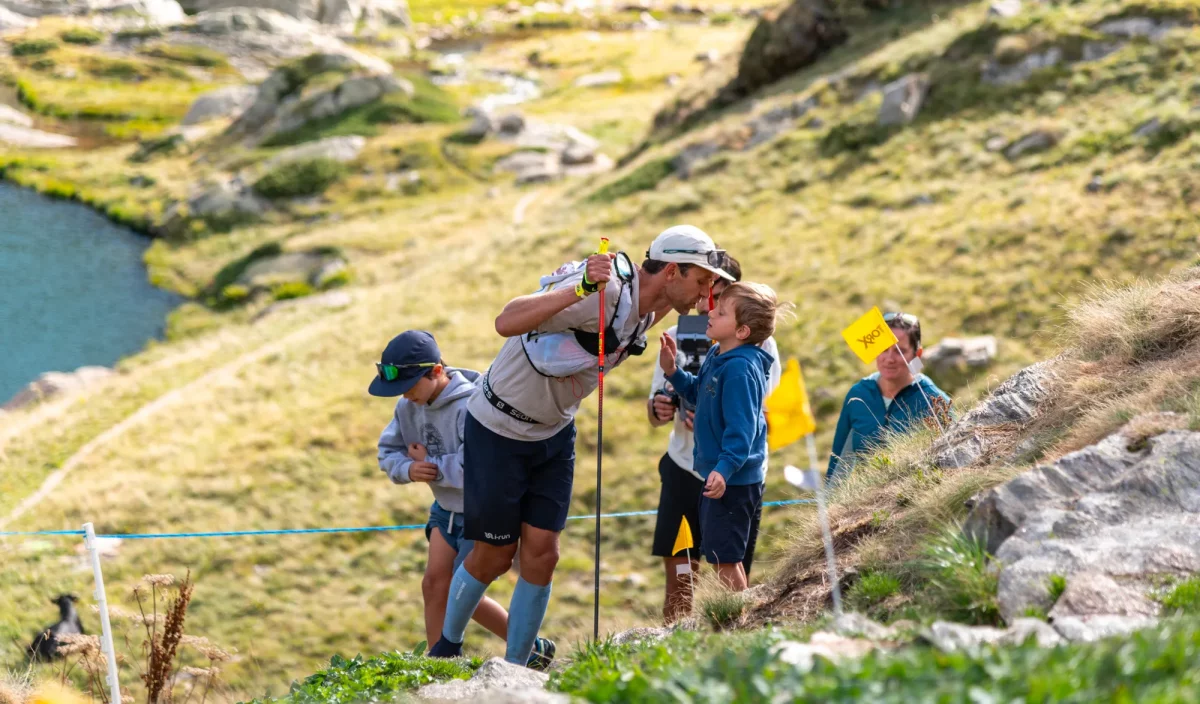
[29, 138]
[282, 105]
[545, 151]
[495, 681]
[1115, 515]
[221, 203]
[948, 637]
[1032, 143]
[10, 20]
[157, 12]
[314, 268]
[783, 42]
[961, 353]
[339, 149]
[57, 384]
[221, 104]
[13, 116]
[902, 99]
[344, 14]
[1013, 404]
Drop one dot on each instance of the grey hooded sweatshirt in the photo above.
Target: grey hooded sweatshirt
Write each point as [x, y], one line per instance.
[439, 427]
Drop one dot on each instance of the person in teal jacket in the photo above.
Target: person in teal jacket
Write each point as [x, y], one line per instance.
[893, 398]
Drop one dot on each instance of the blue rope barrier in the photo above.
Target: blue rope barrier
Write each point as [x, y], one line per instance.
[309, 531]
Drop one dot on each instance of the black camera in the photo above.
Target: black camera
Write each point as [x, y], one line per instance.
[691, 337]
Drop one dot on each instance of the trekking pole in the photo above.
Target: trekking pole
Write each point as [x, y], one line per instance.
[599, 456]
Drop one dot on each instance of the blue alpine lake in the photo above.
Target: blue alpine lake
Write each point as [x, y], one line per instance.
[74, 289]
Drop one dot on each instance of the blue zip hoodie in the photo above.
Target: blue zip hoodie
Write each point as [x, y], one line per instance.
[864, 417]
[731, 429]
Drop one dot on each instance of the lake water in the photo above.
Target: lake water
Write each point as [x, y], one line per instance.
[73, 289]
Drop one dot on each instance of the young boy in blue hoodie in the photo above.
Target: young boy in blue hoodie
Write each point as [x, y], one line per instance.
[424, 443]
[730, 426]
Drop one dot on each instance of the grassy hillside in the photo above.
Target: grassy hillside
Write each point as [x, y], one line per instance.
[241, 423]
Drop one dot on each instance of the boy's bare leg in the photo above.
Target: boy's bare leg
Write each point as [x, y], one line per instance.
[492, 616]
[678, 600]
[732, 576]
[435, 587]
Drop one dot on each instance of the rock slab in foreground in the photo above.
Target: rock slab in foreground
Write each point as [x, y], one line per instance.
[1108, 519]
[30, 138]
[495, 681]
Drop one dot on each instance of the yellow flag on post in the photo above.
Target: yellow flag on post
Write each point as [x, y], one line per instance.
[683, 540]
[789, 415]
[869, 336]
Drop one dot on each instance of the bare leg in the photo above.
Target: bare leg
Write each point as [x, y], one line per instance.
[435, 587]
[492, 616]
[678, 600]
[732, 576]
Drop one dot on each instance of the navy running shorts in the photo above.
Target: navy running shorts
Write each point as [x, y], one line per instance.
[509, 482]
[726, 522]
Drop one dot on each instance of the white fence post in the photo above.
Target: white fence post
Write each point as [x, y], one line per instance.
[106, 639]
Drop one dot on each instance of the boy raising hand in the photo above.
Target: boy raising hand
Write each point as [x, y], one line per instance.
[730, 427]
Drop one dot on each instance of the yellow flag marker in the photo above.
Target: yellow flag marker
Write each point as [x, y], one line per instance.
[683, 541]
[789, 415]
[869, 336]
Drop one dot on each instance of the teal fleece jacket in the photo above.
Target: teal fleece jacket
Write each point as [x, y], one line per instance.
[864, 417]
[731, 429]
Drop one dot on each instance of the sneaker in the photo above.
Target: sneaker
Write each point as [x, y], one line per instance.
[542, 655]
[445, 649]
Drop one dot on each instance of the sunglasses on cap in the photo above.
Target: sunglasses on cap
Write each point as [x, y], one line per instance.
[714, 257]
[391, 372]
[905, 318]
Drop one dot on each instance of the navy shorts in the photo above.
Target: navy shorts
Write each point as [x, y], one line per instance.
[509, 482]
[450, 525]
[726, 523]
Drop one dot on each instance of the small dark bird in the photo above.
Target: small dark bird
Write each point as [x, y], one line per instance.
[45, 644]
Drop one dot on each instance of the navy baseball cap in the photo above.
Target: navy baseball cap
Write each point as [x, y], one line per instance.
[408, 357]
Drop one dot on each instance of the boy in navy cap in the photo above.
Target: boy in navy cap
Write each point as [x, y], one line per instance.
[424, 443]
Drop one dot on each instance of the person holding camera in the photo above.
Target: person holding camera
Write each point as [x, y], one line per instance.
[682, 487]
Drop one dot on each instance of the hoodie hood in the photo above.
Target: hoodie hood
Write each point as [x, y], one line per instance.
[462, 385]
[752, 353]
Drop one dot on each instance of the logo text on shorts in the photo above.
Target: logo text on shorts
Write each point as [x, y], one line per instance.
[492, 536]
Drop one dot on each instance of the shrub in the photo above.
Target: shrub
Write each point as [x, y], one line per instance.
[33, 47]
[299, 178]
[291, 289]
[960, 578]
[1184, 597]
[871, 589]
[643, 178]
[139, 33]
[81, 35]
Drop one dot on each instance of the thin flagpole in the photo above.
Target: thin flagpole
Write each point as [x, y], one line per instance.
[599, 458]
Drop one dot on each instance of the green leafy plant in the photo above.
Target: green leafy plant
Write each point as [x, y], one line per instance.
[373, 680]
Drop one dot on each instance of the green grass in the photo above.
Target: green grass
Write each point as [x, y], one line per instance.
[959, 576]
[186, 54]
[872, 589]
[1160, 665]
[644, 178]
[1058, 585]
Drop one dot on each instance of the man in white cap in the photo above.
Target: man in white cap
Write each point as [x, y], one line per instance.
[519, 459]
